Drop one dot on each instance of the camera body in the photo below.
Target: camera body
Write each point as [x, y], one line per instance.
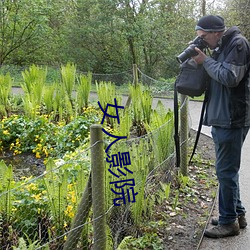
[190, 51]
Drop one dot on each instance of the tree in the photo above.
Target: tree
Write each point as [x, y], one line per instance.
[20, 22]
[237, 13]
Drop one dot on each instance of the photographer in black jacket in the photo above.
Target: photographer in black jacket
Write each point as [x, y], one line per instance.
[228, 112]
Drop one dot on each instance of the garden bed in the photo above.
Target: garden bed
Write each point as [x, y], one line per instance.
[186, 224]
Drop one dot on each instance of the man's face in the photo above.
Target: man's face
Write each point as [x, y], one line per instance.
[211, 38]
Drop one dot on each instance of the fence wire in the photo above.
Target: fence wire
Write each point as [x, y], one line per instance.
[45, 210]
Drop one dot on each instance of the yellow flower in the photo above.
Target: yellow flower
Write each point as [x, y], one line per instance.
[37, 196]
[38, 155]
[69, 211]
[31, 187]
[73, 199]
[6, 132]
[17, 152]
[45, 151]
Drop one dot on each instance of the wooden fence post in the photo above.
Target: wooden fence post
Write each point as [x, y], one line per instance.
[98, 187]
[135, 82]
[135, 74]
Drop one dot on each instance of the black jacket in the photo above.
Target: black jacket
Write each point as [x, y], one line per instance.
[229, 90]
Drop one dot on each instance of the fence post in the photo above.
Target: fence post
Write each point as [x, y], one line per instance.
[135, 82]
[135, 74]
[184, 135]
[98, 187]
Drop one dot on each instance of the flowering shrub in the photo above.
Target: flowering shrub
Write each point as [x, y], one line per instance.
[43, 137]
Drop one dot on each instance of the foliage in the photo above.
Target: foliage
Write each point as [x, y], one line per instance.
[46, 205]
[51, 200]
[161, 126]
[68, 74]
[43, 137]
[141, 110]
[106, 36]
[107, 95]
[236, 13]
[22, 245]
[147, 241]
[34, 81]
[22, 23]
[83, 90]
[30, 205]
[5, 90]
[6, 184]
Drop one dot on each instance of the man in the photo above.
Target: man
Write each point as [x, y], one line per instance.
[228, 112]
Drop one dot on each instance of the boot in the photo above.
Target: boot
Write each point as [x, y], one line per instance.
[241, 219]
[221, 231]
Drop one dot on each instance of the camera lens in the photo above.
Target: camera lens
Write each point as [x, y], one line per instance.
[187, 53]
[190, 50]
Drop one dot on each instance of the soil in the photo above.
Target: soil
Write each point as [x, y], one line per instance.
[25, 164]
[188, 221]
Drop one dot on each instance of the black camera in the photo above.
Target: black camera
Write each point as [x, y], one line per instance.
[190, 51]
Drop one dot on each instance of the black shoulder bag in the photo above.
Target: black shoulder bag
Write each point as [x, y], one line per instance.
[191, 81]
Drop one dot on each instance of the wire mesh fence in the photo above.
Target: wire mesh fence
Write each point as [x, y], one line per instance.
[57, 209]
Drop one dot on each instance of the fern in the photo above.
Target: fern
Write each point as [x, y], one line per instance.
[33, 85]
[161, 126]
[6, 184]
[68, 74]
[5, 90]
[83, 90]
[56, 185]
[106, 94]
[49, 97]
[125, 243]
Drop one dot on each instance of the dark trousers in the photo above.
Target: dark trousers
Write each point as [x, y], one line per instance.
[228, 145]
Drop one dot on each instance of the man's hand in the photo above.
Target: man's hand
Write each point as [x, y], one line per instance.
[200, 58]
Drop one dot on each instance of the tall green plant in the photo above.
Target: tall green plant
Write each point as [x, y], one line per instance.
[48, 98]
[140, 159]
[33, 85]
[161, 128]
[6, 184]
[56, 184]
[123, 129]
[140, 155]
[83, 91]
[62, 106]
[106, 92]
[68, 74]
[141, 109]
[5, 90]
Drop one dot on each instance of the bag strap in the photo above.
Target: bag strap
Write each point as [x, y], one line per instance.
[199, 127]
[176, 126]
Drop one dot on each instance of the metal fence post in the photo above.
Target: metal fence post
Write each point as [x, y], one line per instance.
[98, 187]
[184, 135]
